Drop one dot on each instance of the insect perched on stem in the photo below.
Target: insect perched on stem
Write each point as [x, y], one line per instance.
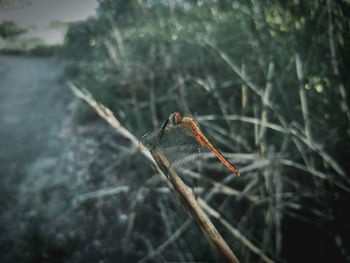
[178, 136]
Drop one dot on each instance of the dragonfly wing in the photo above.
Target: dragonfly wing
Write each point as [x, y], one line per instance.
[147, 141]
[177, 146]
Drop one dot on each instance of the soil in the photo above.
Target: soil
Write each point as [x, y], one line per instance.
[33, 107]
[50, 164]
[46, 161]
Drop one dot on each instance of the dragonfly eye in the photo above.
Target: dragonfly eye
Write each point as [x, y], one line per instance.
[178, 117]
[175, 118]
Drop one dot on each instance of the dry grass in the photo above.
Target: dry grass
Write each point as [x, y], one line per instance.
[259, 110]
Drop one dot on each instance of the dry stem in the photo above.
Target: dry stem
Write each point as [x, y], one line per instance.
[189, 202]
[178, 187]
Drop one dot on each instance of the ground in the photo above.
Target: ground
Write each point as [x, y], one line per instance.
[33, 103]
[48, 162]
[44, 161]
[33, 107]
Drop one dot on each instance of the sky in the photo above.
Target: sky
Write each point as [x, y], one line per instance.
[38, 14]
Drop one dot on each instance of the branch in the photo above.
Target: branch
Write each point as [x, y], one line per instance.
[234, 231]
[178, 187]
[104, 112]
[189, 202]
[303, 100]
[99, 193]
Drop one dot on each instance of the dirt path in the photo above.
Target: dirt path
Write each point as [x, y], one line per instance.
[33, 100]
[33, 104]
[47, 160]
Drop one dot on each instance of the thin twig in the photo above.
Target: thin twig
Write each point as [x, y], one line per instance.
[210, 85]
[172, 239]
[316, 147]
[181, 97]
[132, 217]
[100, 193]
[236, 69]
[252, 120]
[334, 60]
[169, 228]
[212, 212]
[104, 112]
[221, 188]
[303, 100]
[152, 100]
[265, 101]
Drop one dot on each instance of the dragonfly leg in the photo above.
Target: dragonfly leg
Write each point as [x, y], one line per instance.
[171, 164]
[159, 135]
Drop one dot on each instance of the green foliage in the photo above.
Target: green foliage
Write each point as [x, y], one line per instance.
[10, 30]
[37, 50]
[238, 60]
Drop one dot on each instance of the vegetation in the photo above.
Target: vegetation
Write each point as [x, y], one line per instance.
[9, 29]
[268, 80]
[39, 50]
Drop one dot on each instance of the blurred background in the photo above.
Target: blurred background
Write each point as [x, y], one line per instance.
[266, 80]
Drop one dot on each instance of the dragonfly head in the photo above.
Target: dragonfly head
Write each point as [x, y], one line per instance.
[175, 118]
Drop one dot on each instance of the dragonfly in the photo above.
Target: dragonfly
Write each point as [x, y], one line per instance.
[178, 137]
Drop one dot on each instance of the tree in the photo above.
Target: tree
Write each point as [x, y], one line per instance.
[10, 30]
